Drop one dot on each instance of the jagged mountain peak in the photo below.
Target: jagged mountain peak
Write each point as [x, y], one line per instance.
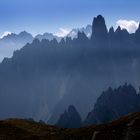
[22, 33]
[70, 118]
[74, 32]
[114, 103]
[118, 29]
[111, 30]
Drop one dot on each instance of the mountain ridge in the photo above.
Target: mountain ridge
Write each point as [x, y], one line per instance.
[12, 42]
[113, 104]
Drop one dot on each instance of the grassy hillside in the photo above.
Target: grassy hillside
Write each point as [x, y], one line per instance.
[126, 128]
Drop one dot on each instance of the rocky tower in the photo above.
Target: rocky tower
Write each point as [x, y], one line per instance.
[99, 31]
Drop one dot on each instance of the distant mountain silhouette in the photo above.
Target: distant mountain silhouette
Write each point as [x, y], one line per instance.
[12, 42]
[48, 36]
[113, 104]
[44, 77]
[72, 34]
[70, 118]
[87, 30]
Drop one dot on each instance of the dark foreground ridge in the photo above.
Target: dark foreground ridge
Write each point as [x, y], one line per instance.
[126, 128]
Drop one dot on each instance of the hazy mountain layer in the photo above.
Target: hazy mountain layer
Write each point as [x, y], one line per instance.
[12, 42]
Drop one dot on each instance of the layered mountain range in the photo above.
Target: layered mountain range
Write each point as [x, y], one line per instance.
[13, 42]
[44, 77]
[110, 105]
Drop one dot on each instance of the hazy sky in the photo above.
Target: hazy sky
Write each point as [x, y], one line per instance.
[38, 16]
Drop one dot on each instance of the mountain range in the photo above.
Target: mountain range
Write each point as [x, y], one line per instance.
[44, 77]
[110, 105]
[13, 42]
[74, 32]
[113, 104]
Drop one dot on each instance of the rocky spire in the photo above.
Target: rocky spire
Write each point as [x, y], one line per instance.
[111, 30]
[118, 30]
[99, 30]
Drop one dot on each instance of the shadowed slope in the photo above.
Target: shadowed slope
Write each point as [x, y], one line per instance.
[125, 128]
